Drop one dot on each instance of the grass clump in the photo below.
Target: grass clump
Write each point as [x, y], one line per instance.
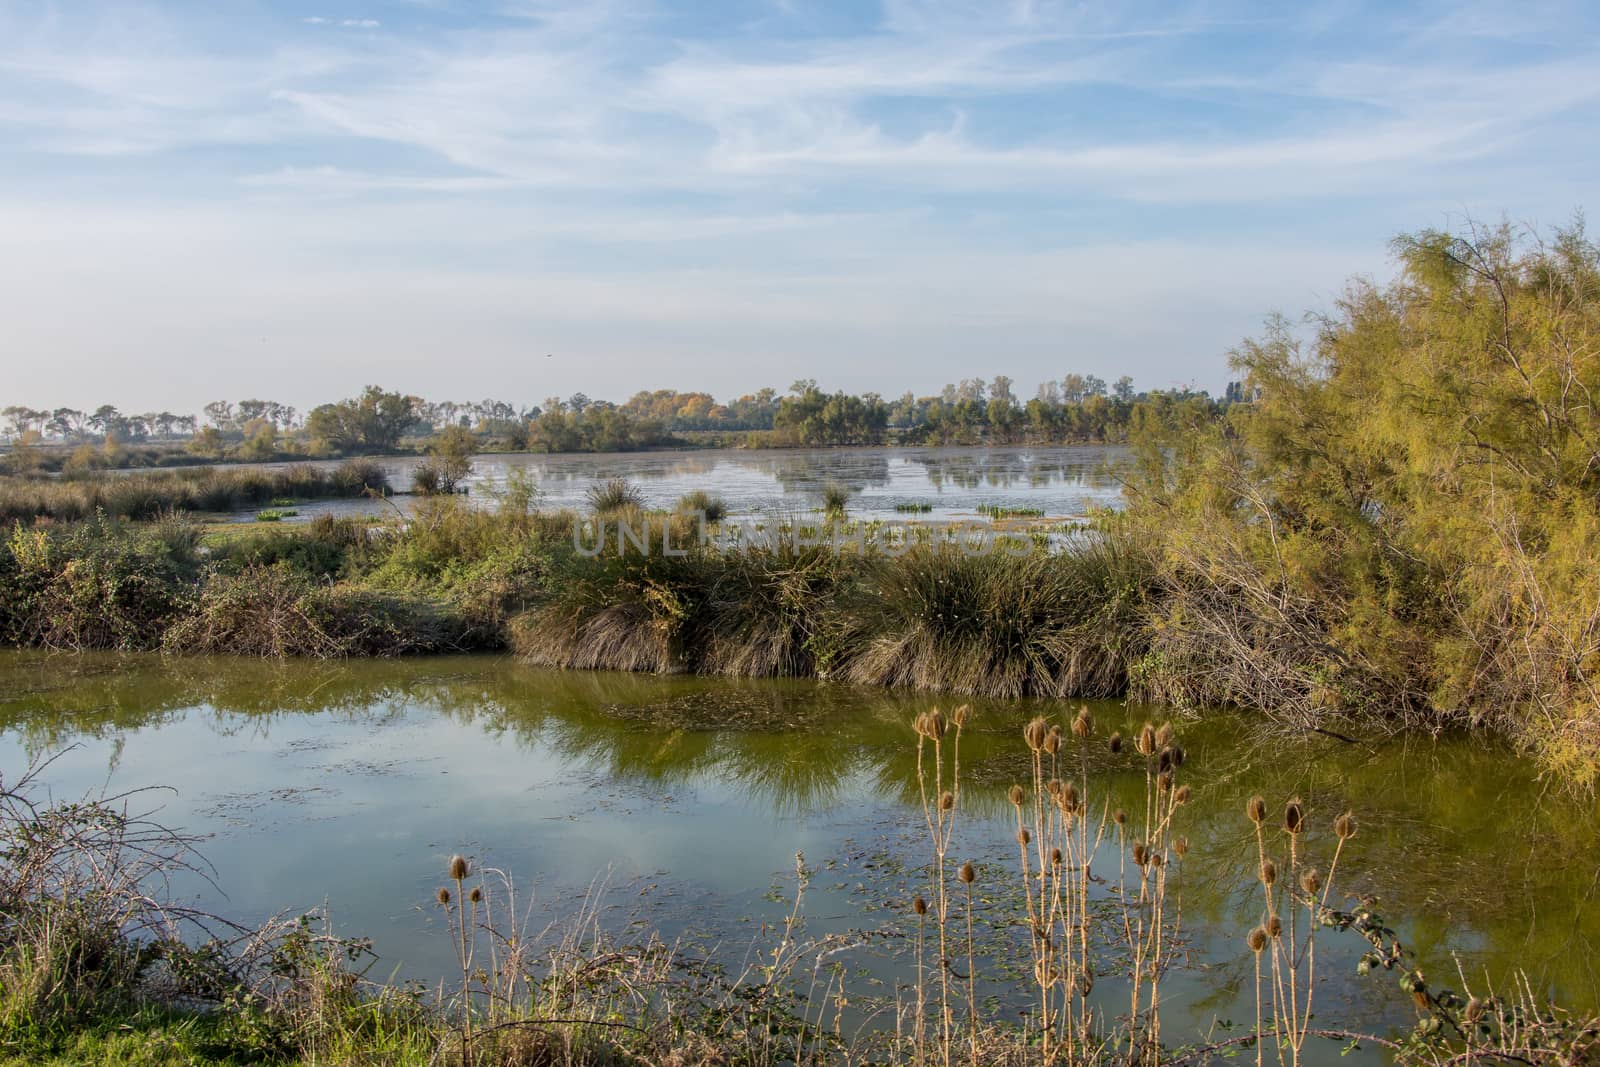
[914, 508]
[613, 495]
[835, 501]
[996, 511]
[939, 618]
[712, 508]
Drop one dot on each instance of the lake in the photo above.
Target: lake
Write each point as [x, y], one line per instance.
[1064, 482]
[679, 803]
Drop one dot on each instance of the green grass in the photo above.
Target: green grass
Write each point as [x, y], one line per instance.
[995, 511]
[917, 508]
[275, 514]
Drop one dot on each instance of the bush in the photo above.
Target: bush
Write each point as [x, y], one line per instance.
[613, 495]
[98, 585]
[273, 611]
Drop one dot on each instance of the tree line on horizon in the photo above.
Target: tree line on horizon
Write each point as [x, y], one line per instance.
[974, 411]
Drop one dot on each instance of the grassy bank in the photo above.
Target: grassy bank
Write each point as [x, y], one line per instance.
[147, 495]
[98, 964]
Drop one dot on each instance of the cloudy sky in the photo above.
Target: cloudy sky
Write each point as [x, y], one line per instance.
[519, 199]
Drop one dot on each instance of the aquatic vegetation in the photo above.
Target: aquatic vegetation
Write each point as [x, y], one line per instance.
[712, 508]
[1093, 896]
[149, 495]
[613, 495]
[835, 500]
[914, 508]
[996, 511]
[275, 514]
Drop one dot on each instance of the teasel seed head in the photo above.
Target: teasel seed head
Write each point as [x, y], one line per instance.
[1052, 740]
[1164, 735]
[1257, 940]
[1164, 759]
[1164, 781]
[1147, 740]
[476, 895]
[1310, 881]
[1269, 873]
[1294, 816]
[458, 867]
[1180, 846]
[1015, 795]
[1069, 798]
[1082, 724]
[1182, 795]
[1141, 853]
[935, 725]
[1034, 734]
[1055, 857]
[443, 895]
[968, 873]
[1157, 859]
[1178, 755]
[1053, 787]
[919, 906]
[1120, 817]
[1023, 837]
[1345, 826]
[947, 800]
[1256, 809]
[962, 715]
[1274, 927]
[1116, 743]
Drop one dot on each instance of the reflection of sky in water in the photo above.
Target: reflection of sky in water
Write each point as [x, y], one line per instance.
[1062, 482]
[351, 783]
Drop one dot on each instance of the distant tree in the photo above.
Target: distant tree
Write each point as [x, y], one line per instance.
[220, 412]
[1123, 389]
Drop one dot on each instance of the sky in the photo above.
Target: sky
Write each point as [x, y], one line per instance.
[528, 198]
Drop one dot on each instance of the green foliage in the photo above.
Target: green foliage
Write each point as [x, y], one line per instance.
[450, 462]
[812, 417]
[373, 421]
[1402, 521]
[97, 585]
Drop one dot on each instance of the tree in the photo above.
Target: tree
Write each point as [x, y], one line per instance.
[220, 412]
[1123, 389]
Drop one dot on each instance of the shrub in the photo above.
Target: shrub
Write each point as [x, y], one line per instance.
[272, 611]
[98, 585]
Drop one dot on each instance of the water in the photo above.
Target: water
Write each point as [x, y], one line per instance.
[1064, 483]
[348, 785]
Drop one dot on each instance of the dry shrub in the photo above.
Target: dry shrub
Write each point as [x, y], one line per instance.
[274, 612]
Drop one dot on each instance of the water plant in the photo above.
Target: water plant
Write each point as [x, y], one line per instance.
[613, 495]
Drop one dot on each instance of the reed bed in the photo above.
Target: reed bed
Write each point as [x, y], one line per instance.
[200, 489]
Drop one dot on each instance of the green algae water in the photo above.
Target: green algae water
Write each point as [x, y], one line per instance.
[678, 805]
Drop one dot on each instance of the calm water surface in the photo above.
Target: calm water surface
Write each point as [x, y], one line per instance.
[348, 785]
[1062, 482]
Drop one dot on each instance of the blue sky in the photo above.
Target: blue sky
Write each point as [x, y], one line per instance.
[290, 200]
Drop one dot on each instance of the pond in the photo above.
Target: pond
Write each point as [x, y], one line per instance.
[952, 483]
[680, 803]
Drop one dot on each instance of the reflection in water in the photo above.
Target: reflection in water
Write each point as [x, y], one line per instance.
[367, 772]
[1063, 482]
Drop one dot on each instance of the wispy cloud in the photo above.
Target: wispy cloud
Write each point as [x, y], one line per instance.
[782, 163]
